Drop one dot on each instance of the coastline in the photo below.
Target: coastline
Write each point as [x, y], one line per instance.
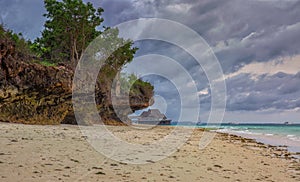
[61, 153]
[271, 140]
[271, 134]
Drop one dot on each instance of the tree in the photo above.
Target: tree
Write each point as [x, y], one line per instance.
[121, 52]
[69, 28]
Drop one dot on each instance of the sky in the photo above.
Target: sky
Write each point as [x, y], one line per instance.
[257, 43]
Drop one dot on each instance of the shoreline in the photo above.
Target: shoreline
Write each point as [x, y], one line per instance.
[270, 140]
[285, 153]
[61, 153]
[288, 140]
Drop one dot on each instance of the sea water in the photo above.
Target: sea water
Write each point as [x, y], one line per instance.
[273, 134]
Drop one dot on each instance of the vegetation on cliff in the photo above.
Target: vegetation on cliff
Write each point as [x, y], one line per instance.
[36, 78]
[70, 26]
[16, 43]
[30, 93]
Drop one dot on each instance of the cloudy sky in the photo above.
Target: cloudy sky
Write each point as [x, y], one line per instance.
[257, 43]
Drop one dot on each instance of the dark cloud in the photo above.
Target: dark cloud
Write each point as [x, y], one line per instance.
[247, 31]
[25, 16]
[168, 91]
[240, 32]
[118, 11]
[279, 92]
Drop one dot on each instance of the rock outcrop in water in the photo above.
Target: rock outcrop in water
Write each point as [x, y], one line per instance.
[31, 93]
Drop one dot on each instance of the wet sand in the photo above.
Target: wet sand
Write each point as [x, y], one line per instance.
[61, 153]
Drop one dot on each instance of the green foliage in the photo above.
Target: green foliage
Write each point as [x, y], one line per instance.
[70, 27]
[1, 31]
[115, 53]
[126, 82]
[20, 44]
[38, 49]
[44, 63]
[133, 85]
[142, 87]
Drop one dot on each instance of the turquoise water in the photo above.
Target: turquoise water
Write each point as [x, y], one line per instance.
[273, 134]
[268, 129]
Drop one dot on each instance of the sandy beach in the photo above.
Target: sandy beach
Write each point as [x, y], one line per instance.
[61, 153]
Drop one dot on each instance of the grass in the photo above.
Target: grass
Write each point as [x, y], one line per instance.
[45, 63]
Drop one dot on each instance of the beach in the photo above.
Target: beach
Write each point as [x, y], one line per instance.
[62, 153]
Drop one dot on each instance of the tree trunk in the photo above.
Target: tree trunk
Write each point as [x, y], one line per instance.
[118, 84]
[72, 52]
[76, 53]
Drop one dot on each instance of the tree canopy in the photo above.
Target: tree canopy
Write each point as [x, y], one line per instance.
[71, 25]
[69, 28]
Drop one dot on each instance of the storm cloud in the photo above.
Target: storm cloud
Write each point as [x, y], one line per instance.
[24, 16]
[240, 32]
[279, 91]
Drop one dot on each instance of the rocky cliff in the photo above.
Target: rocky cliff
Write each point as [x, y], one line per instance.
[31, 93]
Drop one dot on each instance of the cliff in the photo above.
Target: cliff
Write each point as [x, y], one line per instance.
[31, 93]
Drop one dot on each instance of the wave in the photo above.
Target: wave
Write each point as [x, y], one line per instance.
[273, 136]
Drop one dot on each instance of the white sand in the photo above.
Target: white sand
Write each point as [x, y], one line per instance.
[61, 153]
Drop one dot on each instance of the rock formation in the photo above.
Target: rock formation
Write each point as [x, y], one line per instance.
[31, 93]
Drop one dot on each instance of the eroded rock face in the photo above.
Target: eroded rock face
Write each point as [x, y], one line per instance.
[31, 93]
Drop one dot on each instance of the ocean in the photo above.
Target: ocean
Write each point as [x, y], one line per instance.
[273, 134]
